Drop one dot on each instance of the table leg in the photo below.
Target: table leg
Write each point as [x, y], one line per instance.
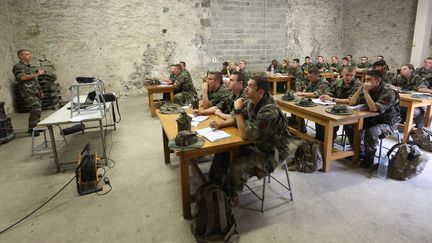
[103, 142]
[274, 88]
[358, 127]
[114, 116]
[172, 96]
[408, 123]
[428, 116]
[165, 147]
[327, 146]
[54, 147]
[288, 85]
[152, 105]
[185, 186]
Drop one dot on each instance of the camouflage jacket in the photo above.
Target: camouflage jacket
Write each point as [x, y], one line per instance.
[227, 105]
[278, 69]
[318, 87]
[427, 83]
[425, 74]
[322, 65]
[306, 66]
[387, 101]
[29, 86]
[246, 73]
[336, 67]
[341, 91]
[296, 73]
[215, 97]
[387, 76]
[364, 65]
[184, 83]
[408, 84]
[267, 128]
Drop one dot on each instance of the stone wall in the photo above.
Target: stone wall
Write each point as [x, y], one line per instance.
[7, 58]
[383, 27]
[253, 30]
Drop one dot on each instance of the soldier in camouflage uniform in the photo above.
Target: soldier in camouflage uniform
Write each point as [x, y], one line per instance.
[244, 70]
[381, 66]
[335, 66]
[297, 72]
[409, 81]
[315, 87]
[426, 71]
[261, 121]
[26, 75]
[364, 64]
[307, 64]
[213, 90]
[276, 66]
[350, 61]
[183, 85]
[340, 92]
[321, 64]
[379, 97]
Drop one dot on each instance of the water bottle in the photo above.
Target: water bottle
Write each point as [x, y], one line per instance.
[272, 70]
[382, 168]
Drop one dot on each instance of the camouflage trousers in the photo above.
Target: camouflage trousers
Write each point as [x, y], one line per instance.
[370, 139]
[35, 111]
[419, 114]
[233, 176]
[183, 98]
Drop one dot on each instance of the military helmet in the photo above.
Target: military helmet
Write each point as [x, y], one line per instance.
[170, 109]
[307, 102]
[339, 110]
[186, 141]
[290, 96]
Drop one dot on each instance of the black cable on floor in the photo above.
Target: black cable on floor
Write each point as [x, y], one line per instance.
[34, 211]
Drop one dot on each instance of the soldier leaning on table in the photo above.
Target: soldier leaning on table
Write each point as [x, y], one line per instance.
[315, 87]
[183, 85]
[340, 92]
[26, 75]
[378, 97]
[409, 81]
[260, 121]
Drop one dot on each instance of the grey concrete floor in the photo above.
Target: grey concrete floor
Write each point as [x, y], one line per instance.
[343, 205]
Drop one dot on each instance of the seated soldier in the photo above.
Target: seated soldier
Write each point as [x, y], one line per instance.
[315, 87]
[351, 61]
[345, 63]
[307, 64]
[378, 97]
[275, 66]
[364, 64]
[381, 66]
[285, 66]
[213, 91]
[225, 70]
[260, 121]
[244, 70]
[341, 91]
[408, 81]
[321, 64]
[224, 108]
[426, 71]
[335, 66]
[183, 85]
[297, 72]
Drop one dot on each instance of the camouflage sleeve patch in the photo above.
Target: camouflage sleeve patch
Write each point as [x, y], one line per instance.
[386, 100]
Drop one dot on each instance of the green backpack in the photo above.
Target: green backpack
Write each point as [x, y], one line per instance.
[422, 137]
[307, 157]
[407, 163]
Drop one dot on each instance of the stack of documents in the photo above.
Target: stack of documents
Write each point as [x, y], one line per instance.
[213, 135]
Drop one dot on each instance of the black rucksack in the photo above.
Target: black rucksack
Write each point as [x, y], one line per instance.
[422, 137]
[407, 163]
[307, 157]
[214, 220]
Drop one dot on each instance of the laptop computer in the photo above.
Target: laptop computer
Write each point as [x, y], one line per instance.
[88, 102]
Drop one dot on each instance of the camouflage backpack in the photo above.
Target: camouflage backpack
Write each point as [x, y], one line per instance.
[423, 138]
[307, 158]
[407, 163]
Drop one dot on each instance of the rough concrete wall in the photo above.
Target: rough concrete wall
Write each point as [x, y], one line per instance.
[383, 27]
[7, 58]
[121, 42]
[314, 28]
[253, 30]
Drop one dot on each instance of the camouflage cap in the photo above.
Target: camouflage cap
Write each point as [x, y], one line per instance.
[306, 102]
[339, 110]
[170, 109]
[290, 96]
[422, 96]
[152, 81]
[186, 141]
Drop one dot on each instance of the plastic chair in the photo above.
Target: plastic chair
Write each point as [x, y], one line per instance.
[268, 177]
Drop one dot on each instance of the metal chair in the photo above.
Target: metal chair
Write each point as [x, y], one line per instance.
[382, 137]
[44, 145]
[268, 177]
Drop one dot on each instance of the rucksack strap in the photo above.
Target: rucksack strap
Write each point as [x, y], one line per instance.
[210, 212]
[222, 210]
[393, 148]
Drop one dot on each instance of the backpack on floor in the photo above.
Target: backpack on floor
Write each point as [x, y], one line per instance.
[214, 220]
[423, 138]
[307, 158]
[407, 163]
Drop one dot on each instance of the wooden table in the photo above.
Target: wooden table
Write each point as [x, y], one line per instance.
[169, 131]
[152, 89]
[329, 75]
[279, 79]
[411, 103]
[318, 115]
[361, 76]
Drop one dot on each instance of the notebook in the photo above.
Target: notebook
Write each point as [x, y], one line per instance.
[213, 135]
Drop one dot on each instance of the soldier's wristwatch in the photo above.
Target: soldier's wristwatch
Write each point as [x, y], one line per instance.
[237, 111]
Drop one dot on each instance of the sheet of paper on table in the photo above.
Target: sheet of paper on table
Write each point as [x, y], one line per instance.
[213, 135]
[320, 102]
[198, 118]
[361, 107]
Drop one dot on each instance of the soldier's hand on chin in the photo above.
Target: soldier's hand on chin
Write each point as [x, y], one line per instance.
[367, 86]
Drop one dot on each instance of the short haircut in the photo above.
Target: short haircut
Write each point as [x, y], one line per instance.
[178, 66]
[428, 58]
[349, 69]
[349, 55]
[374, 73]
[313, 70]
[335, 57]
[321, 56]
[364, 57]
[379, 63]
[240, 76]
[296, 60]
[182, 62]
[225, 64]
[262, 82]
[218, 75]
[345, 58]
[20, 51]
[243, 61]
[410, 66]
[381, 56]
[307, 57]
